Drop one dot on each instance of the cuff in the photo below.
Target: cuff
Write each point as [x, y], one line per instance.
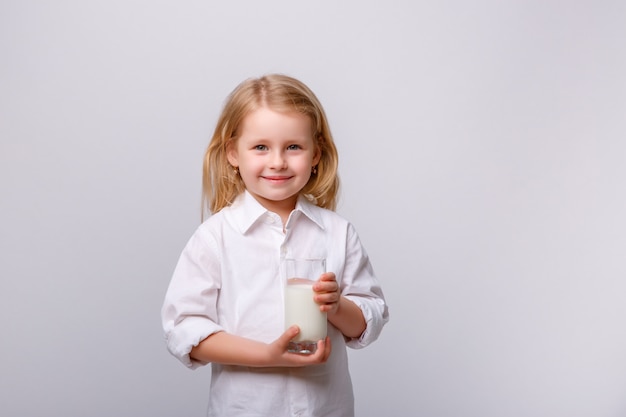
[188, 334]
[376, 315]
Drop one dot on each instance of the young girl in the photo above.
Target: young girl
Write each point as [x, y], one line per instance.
[270, 182]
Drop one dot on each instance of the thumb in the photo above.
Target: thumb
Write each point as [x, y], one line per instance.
[289, 334]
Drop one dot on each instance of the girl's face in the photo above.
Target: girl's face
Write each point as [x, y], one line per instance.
[275, 153]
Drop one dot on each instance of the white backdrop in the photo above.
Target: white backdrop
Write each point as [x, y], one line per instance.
[482, 151]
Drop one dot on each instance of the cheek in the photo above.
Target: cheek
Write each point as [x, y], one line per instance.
[303, 161]
[250, 164]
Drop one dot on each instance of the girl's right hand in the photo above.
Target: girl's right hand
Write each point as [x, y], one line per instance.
[279, 355]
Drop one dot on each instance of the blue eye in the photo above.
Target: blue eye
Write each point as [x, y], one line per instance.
[260, 147]
[294, 147]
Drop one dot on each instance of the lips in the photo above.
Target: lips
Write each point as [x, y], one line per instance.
[276, 178]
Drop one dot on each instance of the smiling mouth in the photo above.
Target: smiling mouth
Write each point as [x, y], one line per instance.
[277, 178]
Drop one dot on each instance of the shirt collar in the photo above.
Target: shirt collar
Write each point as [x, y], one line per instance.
[310, 210]
[247, 211]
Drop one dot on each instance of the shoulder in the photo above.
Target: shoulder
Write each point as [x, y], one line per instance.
[330, 215]
[329, 219]
[214, 219]
[208, 232]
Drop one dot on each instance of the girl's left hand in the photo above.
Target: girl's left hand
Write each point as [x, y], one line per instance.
[326, 293]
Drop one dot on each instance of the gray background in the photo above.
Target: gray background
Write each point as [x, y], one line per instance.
[482, 151]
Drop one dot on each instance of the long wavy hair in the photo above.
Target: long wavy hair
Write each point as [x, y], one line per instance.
[221, 184]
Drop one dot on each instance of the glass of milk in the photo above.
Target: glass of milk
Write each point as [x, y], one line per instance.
[300, 308]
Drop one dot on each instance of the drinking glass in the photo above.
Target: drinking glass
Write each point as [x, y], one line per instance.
[300, 308]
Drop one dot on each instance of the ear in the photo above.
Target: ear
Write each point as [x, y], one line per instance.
[317, 156]
[231, 154]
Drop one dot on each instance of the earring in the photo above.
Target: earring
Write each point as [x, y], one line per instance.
[314, 170]
[236, 170]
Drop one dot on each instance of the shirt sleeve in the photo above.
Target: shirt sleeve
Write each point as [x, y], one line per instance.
[360, 285]
[189, 312]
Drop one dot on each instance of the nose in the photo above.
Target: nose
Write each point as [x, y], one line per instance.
[278, 160]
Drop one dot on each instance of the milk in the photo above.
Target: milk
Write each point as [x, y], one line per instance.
[300, 309]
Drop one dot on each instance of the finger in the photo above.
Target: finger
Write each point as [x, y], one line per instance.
[320, 356]
[325, 308]
[328, 276]
[320, 353]
[327, 299]
[289, 334]
[326, 286]
[327, 349]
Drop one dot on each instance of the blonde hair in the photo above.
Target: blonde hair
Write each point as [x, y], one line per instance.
[221, 184]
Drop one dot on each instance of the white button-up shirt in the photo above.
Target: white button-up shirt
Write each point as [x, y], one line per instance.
[229, 279]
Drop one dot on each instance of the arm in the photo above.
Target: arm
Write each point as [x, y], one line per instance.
[357, 306]
[229, 349]
[342, 313]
